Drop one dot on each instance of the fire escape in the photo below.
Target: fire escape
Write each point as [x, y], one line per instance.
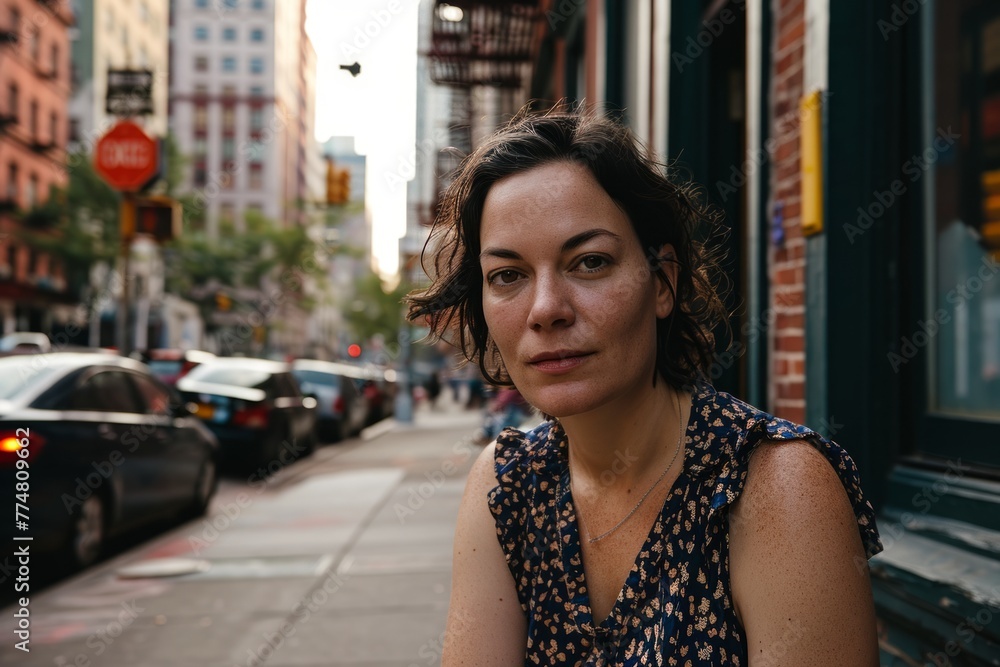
[484, 52]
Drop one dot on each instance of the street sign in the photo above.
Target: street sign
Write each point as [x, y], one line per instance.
[126, 157]
[130, 92]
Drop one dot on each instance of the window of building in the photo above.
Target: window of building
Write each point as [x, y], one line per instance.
[257, 4]
[228, 148]
[201, 117]
[228, 119]
[200, 175]
[31, 191]
[229, 64]
[200, 90]
[33, 44]
[229, 34]
[109, 20]
[33, 119]
[143, 12]
[257, 35]
[256, 118]
[54, 54]
[74, 129]
[201, 63]
[201, 4]
[256, 65]
[200, 148]
[143, 58]
[54, 128]
[201, 33]
[230, 4]
[13, 102]
[12, 181]
[229, 90]
[256, 91]
[256, 175]
[124, 37]
[227, 212]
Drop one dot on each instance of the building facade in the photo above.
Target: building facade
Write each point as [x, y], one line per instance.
[116, 34]
[35, 90]
[242, 108]
[855, 151]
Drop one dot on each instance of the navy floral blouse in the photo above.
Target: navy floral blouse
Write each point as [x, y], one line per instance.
[676, 606]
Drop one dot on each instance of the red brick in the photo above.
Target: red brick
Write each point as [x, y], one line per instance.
[793, 32]
[791, 320]
[790, 342]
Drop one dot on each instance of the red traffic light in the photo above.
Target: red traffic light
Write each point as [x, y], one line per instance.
[354, 350]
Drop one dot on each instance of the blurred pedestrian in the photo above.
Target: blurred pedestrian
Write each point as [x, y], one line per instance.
[433, 389]
[632, 527]
[507, 409]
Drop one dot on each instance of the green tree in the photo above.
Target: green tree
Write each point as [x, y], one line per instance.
[375, 311]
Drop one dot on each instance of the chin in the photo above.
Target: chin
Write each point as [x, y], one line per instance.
[566, 399]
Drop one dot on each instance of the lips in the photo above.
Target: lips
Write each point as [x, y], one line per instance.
[557, 355]
[559, 362]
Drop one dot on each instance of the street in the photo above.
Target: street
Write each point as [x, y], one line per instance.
[339, 559]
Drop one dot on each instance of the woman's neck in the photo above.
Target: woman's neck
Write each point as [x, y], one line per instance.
[618, 443]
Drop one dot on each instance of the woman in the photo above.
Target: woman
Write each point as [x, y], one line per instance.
[632, 527]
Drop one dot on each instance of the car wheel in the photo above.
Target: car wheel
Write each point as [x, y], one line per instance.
[87, 537]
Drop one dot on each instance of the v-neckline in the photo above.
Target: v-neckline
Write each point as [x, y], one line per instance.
[571, 548]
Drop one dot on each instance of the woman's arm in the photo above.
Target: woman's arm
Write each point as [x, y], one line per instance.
[486, 626]
[799, 574]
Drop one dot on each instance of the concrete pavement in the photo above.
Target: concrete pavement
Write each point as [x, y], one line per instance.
[341, 559]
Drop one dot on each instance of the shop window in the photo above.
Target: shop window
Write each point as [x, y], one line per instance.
[960, 164]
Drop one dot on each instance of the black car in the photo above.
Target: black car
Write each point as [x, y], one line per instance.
[256, 410]
[91, 446]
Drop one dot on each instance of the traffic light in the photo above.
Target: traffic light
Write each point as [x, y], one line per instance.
[159, 217]
[338, 184]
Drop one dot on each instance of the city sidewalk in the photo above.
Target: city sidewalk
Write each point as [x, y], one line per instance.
[342, 559]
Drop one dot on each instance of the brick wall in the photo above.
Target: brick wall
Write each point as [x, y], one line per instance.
[786, 261]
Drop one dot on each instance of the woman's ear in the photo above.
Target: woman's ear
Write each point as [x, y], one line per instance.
[666, 261]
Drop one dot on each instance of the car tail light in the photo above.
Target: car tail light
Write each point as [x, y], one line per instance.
[338, 405]
[12, 442]
[254, 416]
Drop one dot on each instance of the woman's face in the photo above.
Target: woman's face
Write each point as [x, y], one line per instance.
[568, 294]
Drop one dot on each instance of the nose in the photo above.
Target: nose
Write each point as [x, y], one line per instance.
[551, 305]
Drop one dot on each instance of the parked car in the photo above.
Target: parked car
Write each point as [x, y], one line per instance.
[93, 446]
[343, 403]
[24, 342]
[170, 365]
[254, 407]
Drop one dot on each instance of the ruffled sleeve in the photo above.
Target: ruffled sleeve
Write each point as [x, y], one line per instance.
[511, 501]
[732, 476]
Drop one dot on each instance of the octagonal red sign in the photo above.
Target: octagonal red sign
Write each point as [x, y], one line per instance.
[126, 157]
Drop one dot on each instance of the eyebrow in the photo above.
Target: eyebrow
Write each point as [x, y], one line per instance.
[570, 244]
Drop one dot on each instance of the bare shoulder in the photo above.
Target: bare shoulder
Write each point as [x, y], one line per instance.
[797, 563]
[486, 625]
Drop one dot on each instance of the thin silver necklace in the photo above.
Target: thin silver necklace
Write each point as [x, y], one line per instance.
[680, 439]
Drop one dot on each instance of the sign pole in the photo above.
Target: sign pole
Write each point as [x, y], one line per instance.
[126, 220]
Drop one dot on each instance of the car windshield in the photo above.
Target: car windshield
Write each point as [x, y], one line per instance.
[315, 377]
[21, 375]
[229, 375]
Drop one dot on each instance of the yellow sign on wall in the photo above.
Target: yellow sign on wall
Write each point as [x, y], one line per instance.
[811, 158]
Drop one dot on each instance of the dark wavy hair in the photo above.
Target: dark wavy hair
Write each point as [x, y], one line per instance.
[662, 208]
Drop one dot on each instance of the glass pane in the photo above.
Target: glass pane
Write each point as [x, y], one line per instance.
[963, 150]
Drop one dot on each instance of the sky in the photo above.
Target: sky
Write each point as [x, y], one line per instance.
[378, 107]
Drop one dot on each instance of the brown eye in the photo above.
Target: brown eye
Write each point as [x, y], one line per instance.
[593, 262]
[507, 277]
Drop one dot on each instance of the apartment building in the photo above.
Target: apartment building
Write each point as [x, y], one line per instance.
[34, 95]
[116, 34]
[242, 90]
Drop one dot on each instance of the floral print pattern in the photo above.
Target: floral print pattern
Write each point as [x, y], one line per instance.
[675, 607]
